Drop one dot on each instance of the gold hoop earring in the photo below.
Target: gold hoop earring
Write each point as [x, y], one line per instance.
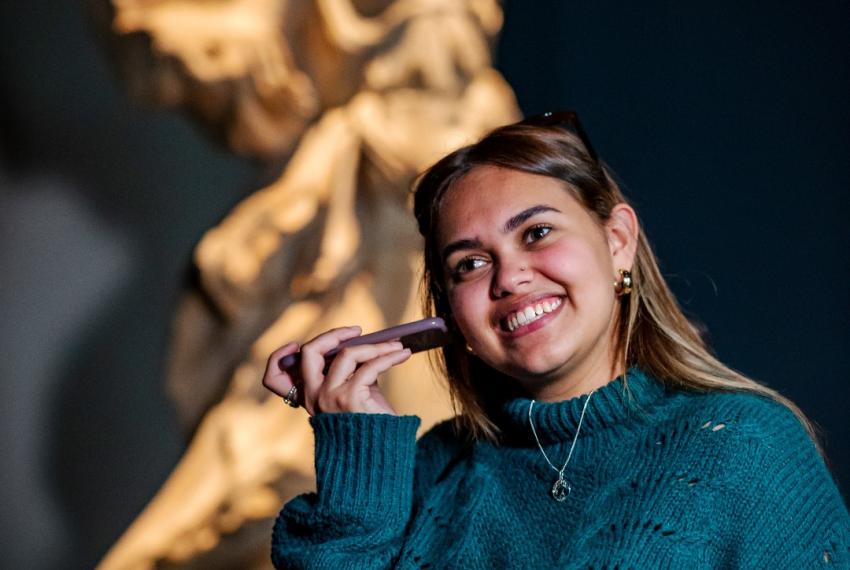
[625, 284]
[469, 349]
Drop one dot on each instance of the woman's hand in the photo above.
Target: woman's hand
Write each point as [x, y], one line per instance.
[351, 381]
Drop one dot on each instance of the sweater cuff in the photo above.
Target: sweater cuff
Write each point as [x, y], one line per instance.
[365, 462]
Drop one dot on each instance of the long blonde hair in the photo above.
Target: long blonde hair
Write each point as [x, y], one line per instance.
[653, 333]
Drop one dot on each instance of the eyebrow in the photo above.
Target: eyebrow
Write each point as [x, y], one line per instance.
[518, 220]
[513, 223]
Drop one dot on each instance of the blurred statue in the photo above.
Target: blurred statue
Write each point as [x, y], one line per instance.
[350, 99]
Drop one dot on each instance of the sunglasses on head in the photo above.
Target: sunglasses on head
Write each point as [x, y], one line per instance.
[567, 120]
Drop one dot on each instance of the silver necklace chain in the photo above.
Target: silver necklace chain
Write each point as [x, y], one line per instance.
[561, 489]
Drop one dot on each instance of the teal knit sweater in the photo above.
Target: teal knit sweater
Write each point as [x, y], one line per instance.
[660, 479]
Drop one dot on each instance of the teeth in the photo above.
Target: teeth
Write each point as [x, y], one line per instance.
[529, 314]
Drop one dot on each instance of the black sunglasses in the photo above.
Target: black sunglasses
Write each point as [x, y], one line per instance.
[567, 120]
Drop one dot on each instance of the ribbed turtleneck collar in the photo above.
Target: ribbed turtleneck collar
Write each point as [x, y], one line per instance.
[612, 404]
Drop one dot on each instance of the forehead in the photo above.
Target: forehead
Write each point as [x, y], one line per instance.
[488, 196]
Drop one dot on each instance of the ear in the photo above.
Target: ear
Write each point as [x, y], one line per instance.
[622, 231]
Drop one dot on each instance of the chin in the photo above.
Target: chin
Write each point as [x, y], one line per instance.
[543, 367]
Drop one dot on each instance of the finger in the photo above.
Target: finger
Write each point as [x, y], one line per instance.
[330, 339]
[275, 379]
[357, 394]
[368, 374]
[313, 361]
[349, 358]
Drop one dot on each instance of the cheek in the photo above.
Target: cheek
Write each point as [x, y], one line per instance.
[592, 285]
[578, 264]
[468, 307]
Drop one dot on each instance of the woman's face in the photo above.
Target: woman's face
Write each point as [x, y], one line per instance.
[530, 277]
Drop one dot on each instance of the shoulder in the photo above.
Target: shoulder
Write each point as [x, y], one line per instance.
[747, 418]
[745, 442]
[440, 441]
[436, 451]
[750, 459]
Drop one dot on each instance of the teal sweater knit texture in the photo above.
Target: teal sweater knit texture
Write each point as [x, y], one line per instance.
[660, 478]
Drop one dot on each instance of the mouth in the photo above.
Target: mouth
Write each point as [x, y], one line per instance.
[521, 318]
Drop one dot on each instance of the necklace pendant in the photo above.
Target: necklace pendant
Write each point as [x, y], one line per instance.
[561, 490]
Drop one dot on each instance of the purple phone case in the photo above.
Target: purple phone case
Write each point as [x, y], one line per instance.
[417, 336]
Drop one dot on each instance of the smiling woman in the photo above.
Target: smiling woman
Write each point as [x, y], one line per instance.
[518, 243]
[594, 426]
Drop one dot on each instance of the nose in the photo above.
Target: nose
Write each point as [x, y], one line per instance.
[510, 277]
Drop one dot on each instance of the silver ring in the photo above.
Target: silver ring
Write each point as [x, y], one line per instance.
[291, 397]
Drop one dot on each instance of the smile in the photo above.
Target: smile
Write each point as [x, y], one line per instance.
[527, 315]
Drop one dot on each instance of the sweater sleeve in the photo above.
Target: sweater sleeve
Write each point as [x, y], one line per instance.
[792, 514]
[363, 499]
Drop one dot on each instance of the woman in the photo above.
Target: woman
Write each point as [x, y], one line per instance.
[594, 429]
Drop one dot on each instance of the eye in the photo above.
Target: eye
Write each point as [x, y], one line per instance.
[536, 233]
[468, 264]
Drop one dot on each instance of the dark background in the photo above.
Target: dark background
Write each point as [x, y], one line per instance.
[728, 122]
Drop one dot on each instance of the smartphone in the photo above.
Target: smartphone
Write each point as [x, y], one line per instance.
[417, 336]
